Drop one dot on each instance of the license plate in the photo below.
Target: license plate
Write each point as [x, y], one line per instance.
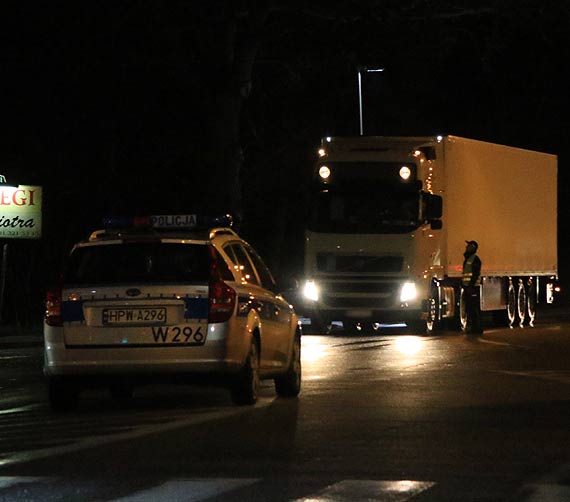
[134, 315]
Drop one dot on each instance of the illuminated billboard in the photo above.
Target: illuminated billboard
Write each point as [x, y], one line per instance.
[20, 212]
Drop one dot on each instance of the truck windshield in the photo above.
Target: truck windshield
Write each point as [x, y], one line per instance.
[365, 211]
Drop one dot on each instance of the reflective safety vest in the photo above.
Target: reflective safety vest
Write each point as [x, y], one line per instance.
[468, 271]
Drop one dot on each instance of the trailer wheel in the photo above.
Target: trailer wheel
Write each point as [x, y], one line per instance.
[521, 303]
[511, 304]
[531, 301]
[462, 311]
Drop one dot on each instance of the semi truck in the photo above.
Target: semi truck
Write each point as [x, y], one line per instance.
[387, 226]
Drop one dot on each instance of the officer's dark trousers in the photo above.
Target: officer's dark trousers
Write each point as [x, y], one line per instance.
[473, 309]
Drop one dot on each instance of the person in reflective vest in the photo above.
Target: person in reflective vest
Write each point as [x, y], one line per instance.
[471, 290]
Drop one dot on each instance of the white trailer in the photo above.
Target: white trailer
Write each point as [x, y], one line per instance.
[390, 217]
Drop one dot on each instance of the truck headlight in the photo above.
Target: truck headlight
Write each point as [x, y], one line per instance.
[311, 291]
[408, 292]
[324, 173]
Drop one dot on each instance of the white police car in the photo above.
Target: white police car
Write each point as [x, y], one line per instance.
[156, 299]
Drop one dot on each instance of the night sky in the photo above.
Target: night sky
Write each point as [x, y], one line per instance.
[115, 106]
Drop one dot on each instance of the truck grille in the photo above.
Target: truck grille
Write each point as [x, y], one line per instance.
[382, 288]
[360, 293]
[333, 263]
[364, 303]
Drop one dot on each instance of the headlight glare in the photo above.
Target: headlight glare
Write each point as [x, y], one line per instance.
[311, 291]
[408, 292]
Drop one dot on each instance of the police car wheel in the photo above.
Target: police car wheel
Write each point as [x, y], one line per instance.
[245, 387]
[289, 384]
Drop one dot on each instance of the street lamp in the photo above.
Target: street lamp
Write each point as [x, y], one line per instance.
[361, 70]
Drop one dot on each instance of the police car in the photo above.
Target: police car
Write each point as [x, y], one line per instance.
[159, 299]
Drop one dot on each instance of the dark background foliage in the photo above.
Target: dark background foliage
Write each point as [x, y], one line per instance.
[133, 106]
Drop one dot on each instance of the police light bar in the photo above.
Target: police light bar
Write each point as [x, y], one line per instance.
[168, 221]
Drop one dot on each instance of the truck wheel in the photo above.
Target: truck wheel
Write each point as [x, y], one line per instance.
[521, 304]
[433, 310]
[245, 388]
[289, 384]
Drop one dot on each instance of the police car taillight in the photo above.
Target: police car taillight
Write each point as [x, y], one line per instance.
[222, 297]
[222, 301]
[52, 315]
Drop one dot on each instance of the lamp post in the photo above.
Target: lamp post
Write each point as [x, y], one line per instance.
[361, 70]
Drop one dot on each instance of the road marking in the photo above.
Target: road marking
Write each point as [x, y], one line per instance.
[371, 491]
[553, 487]
[19, 409]
[493, 342]
[7, 481]
[561, 376]
[93, 441]
[550, 493]
[187, 490]
[201, 489]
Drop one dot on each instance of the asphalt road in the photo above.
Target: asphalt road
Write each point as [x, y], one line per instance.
[388, 416]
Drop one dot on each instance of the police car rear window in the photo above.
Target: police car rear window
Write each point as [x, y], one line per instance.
[151, 262]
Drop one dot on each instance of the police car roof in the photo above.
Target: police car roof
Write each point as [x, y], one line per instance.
[134, 234]
[184, 226]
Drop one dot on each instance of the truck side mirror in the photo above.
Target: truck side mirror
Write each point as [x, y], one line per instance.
[433, 206]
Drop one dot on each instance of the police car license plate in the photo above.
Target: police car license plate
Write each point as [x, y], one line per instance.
[134, 315]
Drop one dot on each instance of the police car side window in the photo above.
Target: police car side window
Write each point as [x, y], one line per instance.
[265, 276]
[239, 256]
